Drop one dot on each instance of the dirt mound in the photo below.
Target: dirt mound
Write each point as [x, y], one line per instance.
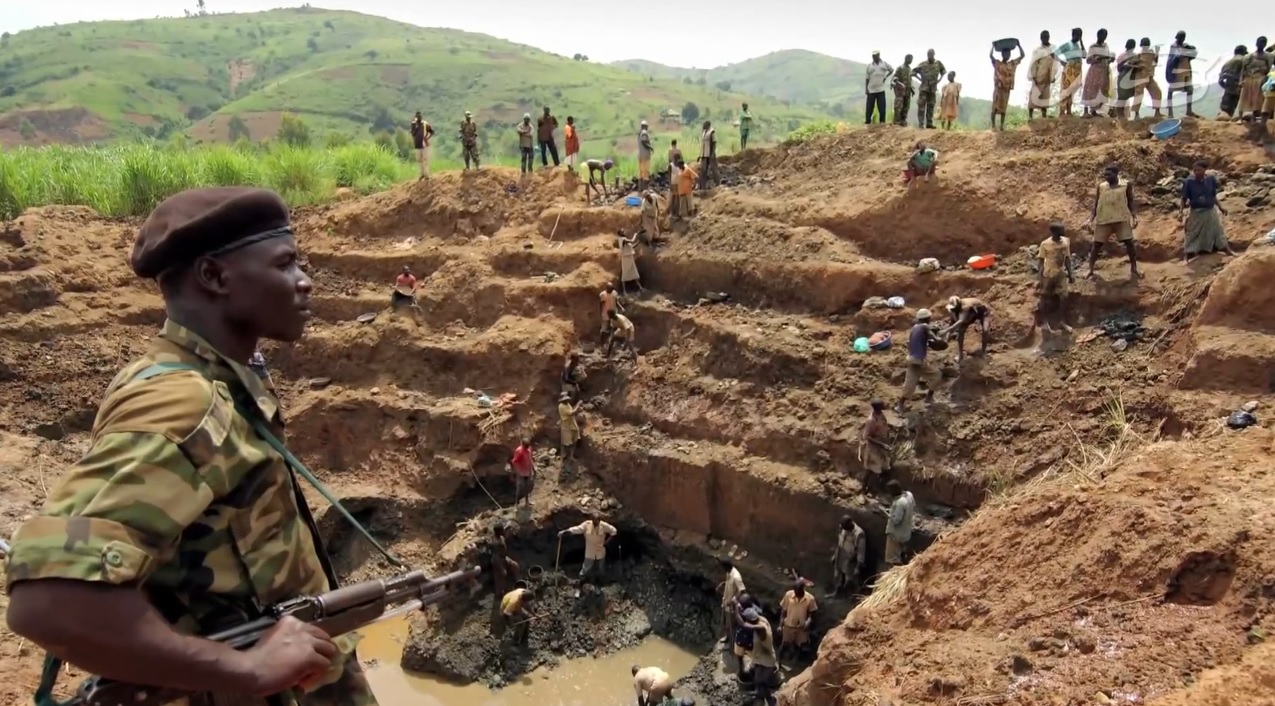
[458, 206]
[737, 427]
[1232, 339]
[1128, 584]
[997, 190]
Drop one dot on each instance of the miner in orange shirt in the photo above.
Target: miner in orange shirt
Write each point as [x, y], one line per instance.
[573, 142]
[686, 179]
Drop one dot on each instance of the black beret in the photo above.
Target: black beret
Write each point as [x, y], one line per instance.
[202, 221]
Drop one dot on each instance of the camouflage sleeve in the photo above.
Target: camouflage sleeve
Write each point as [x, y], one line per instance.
[116, 515]
[159, 458]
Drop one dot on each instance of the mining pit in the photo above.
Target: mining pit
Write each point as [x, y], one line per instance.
[1089, 530]
[657, 601]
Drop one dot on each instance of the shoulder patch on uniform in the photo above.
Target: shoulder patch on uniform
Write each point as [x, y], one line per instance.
[174, 405]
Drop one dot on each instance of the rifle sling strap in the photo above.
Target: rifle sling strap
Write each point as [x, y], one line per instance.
[53, 665]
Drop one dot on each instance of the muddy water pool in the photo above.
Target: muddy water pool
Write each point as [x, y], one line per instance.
[584, 681]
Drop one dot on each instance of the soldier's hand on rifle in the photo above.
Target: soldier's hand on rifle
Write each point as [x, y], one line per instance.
[288, 655]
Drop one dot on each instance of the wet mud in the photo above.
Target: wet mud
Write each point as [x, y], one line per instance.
[640, 593]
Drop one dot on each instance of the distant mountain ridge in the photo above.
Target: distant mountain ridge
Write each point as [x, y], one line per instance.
[219, 77]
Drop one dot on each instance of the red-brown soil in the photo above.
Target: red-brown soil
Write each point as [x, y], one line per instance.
[739, 420]
[62, 126]
[216, 128]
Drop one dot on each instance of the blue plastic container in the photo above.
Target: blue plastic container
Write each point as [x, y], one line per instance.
[633, 200]
[1166, 129]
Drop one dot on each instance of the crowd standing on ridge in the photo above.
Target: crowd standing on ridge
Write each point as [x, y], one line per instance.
[1111, 85]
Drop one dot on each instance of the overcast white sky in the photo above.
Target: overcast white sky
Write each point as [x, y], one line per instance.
[960, 33]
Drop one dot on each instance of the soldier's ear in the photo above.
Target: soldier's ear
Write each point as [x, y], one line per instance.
[210, 273]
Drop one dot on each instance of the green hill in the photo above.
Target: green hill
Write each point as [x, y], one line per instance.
[798, 77]
[342, 72]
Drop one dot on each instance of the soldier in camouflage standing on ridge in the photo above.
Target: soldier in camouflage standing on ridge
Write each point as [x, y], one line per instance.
[469, 139]
[928, 72]
[903, 91]
[182, 518]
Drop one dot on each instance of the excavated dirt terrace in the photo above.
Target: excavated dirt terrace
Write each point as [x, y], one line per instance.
[1076, 560]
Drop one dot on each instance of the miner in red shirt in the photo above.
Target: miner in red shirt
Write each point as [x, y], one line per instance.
[404, 289]
[524, 470]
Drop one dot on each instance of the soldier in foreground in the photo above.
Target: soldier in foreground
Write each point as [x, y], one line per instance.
[179, 519]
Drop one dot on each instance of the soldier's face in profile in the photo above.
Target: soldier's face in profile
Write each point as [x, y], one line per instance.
[264, 290]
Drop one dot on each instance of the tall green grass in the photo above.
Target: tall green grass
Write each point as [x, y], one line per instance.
[130, 180]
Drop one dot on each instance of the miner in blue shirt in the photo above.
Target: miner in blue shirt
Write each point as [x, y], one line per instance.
[1199, 212]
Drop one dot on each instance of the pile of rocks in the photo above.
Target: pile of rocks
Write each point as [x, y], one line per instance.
[1253, 190]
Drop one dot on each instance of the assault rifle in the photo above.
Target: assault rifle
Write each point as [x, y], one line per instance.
[337, 612]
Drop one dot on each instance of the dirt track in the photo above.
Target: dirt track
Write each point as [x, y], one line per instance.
[739, 420]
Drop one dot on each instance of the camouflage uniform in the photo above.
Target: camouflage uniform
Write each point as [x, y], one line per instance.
[469, 142]
[930, 73]
[902, 93]
[179, 496]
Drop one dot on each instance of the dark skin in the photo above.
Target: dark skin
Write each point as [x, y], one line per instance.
[514, 471]
[930, 336]
[1122, 71]
[1065, 108]
[1061, 305]
[786, 648]
[962, 317]
[1261, 49]
[848, 526]
[1031, 106]
[1091, 111]
[1112, 177]
[1004, 60]
[232, 301]
[1179, 43]
[646, 144]
[1199, 172]
[875, 413]
[920, 146]
[1145, 49]
[619, 307]
[597, 176]
[611, 341]
[951, 78]
[569, 370]
[743, 602]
